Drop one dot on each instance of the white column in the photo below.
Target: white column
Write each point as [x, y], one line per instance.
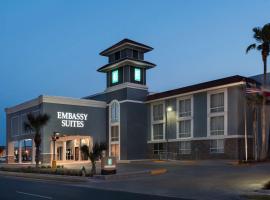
[33, 152]
[10, 152]
[80, 150]
[64, 150]
[20, 151]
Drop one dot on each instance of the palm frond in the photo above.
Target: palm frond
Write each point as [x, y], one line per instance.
[252, 46]
[259, 47]
[257, 34]
[27, 127]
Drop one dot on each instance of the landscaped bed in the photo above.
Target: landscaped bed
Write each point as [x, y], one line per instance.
[60, 170]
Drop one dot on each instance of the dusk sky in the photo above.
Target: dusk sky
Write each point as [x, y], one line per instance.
[52, 47]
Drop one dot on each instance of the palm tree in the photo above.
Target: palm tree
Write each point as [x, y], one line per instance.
[35, 124]
[94, 155]
[254, 100]
[262, 37]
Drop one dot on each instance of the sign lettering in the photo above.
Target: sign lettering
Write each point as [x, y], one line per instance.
[75, 120]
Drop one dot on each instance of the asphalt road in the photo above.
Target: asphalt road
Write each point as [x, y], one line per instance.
[19, 188]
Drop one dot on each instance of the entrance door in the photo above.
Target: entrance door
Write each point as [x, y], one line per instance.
[76, 153]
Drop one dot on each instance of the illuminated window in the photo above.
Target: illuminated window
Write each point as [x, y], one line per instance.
[137, 74]
[115, 112]
[115, 76]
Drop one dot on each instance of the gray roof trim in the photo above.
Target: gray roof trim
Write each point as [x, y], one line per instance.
[125, 42]
[126, 61]
[56, 100]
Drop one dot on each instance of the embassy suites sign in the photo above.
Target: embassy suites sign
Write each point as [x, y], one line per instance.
[75, 120]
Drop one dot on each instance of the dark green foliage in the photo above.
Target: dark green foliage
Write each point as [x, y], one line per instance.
[94, 154]
[35, 123]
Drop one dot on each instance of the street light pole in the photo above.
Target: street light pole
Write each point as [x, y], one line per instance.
[166, 132]
[168, 109]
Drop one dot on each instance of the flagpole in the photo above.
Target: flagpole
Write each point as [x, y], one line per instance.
[245, 118]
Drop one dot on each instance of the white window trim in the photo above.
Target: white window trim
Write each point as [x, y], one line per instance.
[157, 121]
[189, 150]
[114, 124]
[217, 152]
[224, 113]
[178, 119]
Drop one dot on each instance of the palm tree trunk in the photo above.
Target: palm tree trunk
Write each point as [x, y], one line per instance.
[37, 156]
[264, 132]
[93, 169]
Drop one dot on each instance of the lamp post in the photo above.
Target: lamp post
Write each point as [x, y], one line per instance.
[55, 137]
[168, 109]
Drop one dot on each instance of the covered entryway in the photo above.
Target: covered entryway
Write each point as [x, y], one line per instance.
[67, 148]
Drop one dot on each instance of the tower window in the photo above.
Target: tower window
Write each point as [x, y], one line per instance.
[137, 74]
[117, 55]
[115, 77]
[135, 54]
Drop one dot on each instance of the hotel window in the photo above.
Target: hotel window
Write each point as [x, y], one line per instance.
[158, 133]
[184, 147]
[217, 125]
[184, 117]
[217, 102]
[217, 146]
[15, 125]
[135, 54]
[184, 128]
[137, 74]
[217, 113]
[184, 108]
[158, 112]
[115, 76]
[115, 112]
[114, 133]
[117, 55]
[158, 128]
[158, 148]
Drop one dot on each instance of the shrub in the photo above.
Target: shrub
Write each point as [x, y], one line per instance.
[47, 170]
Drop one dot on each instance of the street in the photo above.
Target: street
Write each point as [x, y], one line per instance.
[18, 188]
[200, 180]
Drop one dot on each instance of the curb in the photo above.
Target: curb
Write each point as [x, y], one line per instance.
[132, 174]
[45, 176]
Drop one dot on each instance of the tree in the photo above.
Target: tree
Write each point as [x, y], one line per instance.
[94, 155]
[254, 100]
[262, 37]
[35, 124]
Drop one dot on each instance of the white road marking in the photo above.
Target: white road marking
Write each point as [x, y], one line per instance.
[34, 195]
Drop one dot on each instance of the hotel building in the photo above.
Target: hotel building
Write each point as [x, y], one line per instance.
[202, 121]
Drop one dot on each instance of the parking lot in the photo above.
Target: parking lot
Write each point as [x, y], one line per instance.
[193, 179]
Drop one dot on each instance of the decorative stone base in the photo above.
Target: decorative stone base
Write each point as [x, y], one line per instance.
[46, 159]
[234, 148]
[10, 159]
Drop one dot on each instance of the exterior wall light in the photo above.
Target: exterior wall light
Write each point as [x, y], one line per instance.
[169, 109]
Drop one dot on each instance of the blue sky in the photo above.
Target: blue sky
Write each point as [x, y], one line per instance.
[51, 47]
